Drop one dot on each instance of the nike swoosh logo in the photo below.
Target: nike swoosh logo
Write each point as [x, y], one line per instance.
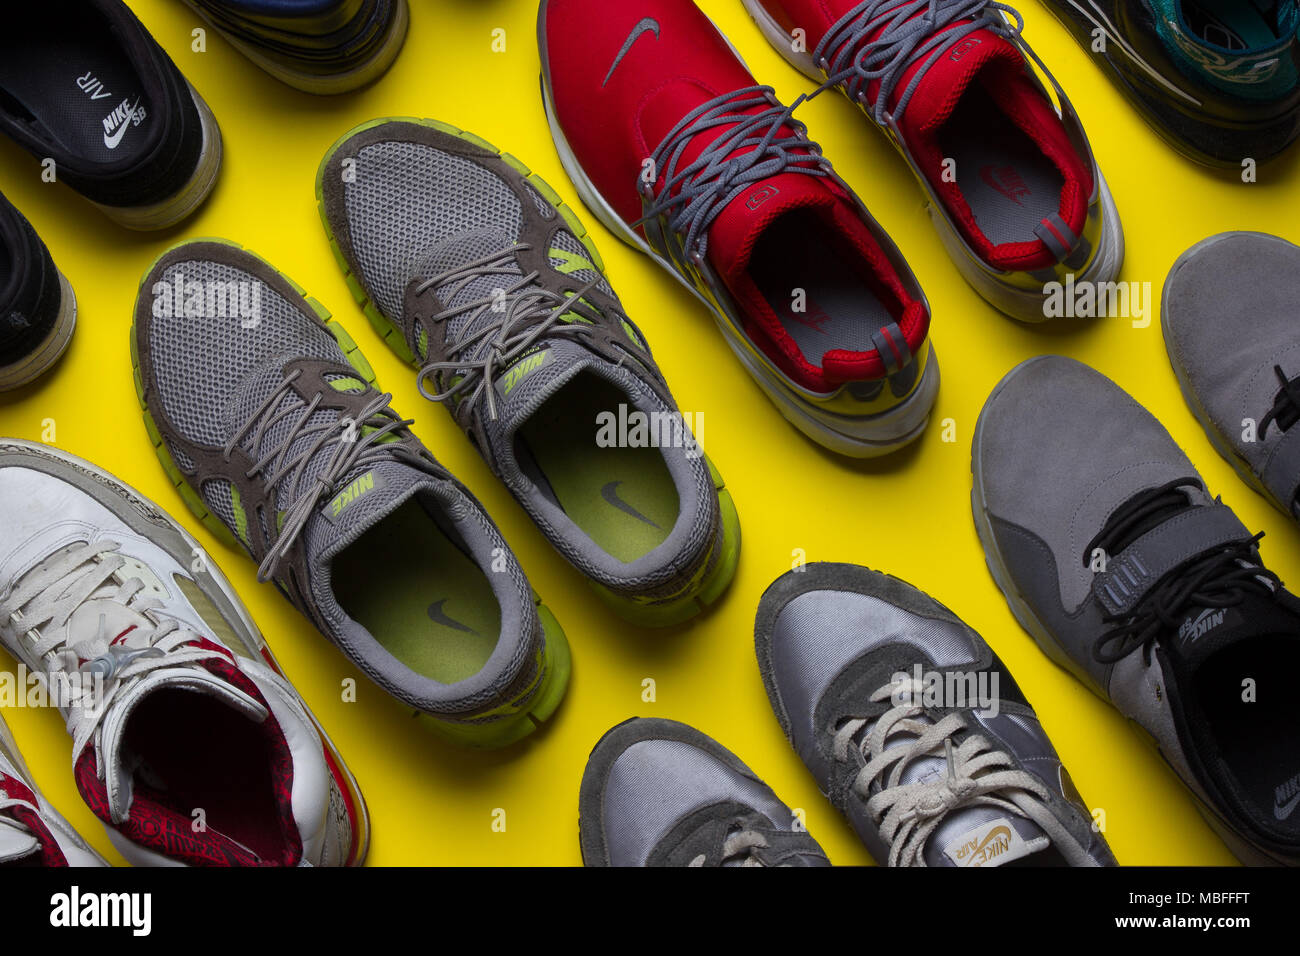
[438, 616]
[648, 25]
[112, 141]
[610, 494]
[1284, 810]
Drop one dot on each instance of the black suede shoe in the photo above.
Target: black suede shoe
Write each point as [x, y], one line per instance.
[37, 308]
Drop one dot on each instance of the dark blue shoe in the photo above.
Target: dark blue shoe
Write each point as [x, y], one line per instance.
[1219, 80]
[319, 46]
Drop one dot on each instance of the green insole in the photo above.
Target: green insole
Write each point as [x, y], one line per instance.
[423, 599]
[622, 498]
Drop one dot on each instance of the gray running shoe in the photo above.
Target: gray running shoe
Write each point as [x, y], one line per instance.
[913, 727]
[1228, 313]
[1115, 558]
[659, 793]
[472, 269]
[265, 415]
[32, 832]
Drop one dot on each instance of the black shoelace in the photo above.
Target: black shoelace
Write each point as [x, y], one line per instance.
[1217, 579]
[1286, 404]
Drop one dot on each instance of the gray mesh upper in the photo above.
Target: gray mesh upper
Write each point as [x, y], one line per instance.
[398, 210]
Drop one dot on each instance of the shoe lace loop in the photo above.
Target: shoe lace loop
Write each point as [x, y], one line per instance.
[526, 311]
[350, 444]
[738, 846]
[1286, 405]
[1217, 579]
[909, 31]
[908, 813]
[747, 150]
[43, 602]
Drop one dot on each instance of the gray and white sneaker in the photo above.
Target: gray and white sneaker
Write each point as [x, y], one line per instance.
[472, 269]
[1115, 558]
[1228, 314]
[913, 727]
[265, 415]
[659, 793]
[32, 832]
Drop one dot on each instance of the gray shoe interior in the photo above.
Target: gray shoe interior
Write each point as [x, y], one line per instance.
[1008, 183]
[844, 303]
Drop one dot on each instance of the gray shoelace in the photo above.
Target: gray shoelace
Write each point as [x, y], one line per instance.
[848, 55]
[349, 443]
[518, 314]
[908, 813]
[748, 150]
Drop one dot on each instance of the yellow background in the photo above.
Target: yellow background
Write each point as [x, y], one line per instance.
[908, 515]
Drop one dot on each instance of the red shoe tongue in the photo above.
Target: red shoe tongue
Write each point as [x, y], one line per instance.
[943, 84]
[739, 225]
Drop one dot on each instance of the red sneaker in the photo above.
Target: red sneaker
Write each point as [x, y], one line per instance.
[671, 143]
[1014, 191]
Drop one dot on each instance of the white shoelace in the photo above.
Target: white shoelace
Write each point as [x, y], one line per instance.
[908, 813]
[737, 846]
[49, 596]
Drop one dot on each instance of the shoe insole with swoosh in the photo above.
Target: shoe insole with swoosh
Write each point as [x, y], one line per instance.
[623, 498]
[413, 587]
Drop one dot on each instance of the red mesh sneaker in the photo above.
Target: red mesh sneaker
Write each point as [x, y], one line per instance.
[673, 145]
[1014, 191]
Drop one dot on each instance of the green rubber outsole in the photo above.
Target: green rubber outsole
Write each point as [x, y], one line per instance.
[557, 659]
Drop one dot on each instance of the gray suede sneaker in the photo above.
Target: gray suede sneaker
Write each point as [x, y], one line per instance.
[1115, 558]
[659, 793]
[913, 727]
[265, 415]
[472, 269]
[1228, 314]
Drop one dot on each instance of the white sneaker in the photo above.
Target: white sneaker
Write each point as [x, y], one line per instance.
[188, 743]
[33, 833]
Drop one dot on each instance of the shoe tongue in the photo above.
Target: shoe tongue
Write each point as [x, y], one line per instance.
[1204, 632]
[973, 836]
[115, 757]
[742, 222]
[365, 498]
[942, 85]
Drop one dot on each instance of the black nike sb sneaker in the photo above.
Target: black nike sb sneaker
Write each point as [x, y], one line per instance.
[86, 90]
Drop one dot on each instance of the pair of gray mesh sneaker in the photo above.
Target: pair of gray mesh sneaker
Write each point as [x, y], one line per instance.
[910, 724]
[267, 418]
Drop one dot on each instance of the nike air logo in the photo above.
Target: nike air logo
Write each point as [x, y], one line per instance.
[117, 122]
[648, 25]
[438, 616]
[1287, 797]
[1006, 181]
[610, 494]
